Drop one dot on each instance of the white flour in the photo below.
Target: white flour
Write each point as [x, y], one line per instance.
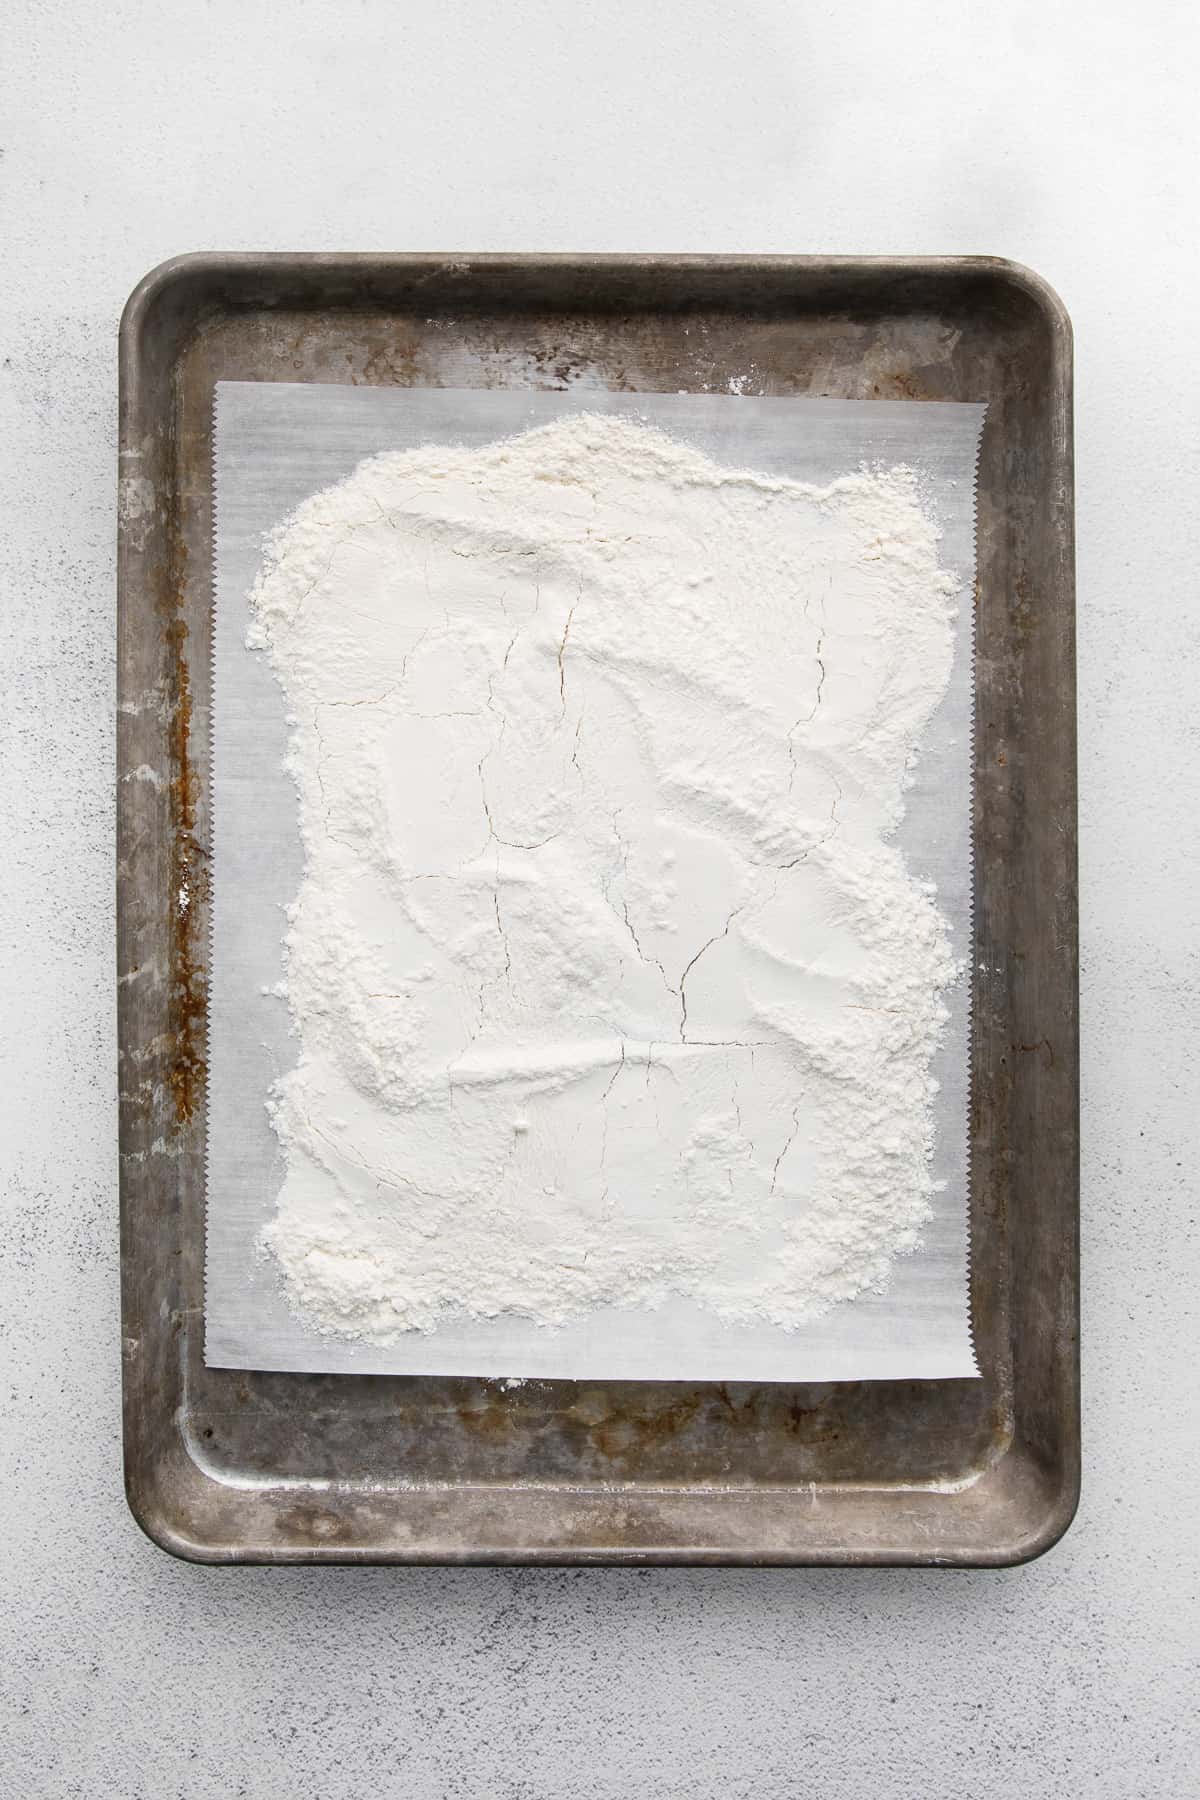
[607, 982]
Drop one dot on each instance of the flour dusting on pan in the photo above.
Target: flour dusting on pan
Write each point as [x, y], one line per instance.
[609, 981]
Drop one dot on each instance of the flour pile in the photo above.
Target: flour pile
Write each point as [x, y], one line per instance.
[608, 982]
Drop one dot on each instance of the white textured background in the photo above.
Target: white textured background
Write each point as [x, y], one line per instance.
[1064, 135]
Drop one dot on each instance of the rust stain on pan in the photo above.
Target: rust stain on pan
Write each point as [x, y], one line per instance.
[189, 889]
[1024, 617]
[897, 384]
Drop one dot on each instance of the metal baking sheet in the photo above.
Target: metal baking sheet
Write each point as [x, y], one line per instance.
[227, 1465]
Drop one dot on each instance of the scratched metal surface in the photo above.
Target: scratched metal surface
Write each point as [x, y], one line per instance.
[225, 1465]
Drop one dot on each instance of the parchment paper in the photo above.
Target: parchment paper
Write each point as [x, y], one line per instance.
[277, 443]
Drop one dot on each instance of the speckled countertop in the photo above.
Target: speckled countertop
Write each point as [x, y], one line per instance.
[134, 132]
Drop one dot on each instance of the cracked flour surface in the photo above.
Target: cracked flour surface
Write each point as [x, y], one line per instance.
[607, 980]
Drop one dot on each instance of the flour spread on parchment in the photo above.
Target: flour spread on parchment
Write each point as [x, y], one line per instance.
[608, 981]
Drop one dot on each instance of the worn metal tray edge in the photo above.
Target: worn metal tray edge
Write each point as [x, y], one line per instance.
[165, 1499]
[1051, 1516]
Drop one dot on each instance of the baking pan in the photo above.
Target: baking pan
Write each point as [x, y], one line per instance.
[226, 1466]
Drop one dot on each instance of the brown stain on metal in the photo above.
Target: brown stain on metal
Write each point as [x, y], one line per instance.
[396, 362]
[626, 1430]
[1023, 616]
[897, 384]
[495, 1419]
[632, 1431]
[810, 1423]
[187, 1013]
